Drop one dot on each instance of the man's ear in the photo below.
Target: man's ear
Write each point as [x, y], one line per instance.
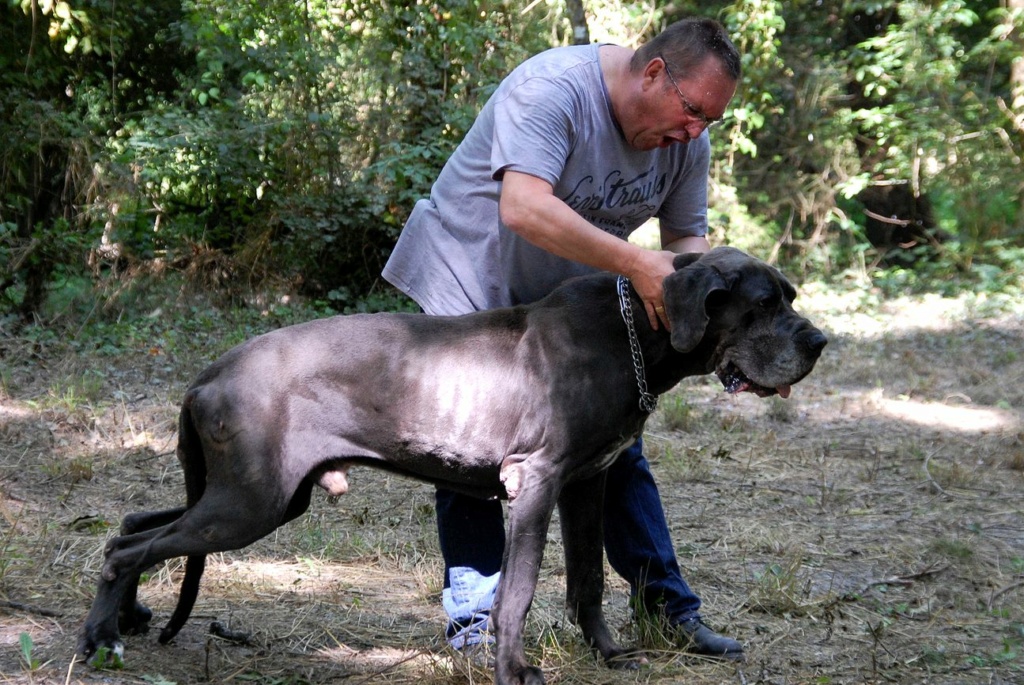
[686, 294]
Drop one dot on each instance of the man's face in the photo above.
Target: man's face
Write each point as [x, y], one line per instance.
[676, 108]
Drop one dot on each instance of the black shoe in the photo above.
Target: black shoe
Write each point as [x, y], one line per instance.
[697, 638]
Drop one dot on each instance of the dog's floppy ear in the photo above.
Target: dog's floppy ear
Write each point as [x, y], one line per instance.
[686, 294]
[685, 259]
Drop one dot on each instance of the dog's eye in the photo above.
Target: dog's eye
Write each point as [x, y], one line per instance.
[767, 302]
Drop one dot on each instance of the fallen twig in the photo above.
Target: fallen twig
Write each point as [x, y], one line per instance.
[237, 636]
[1003, 591]
[904, 581]
[28, 608]
[928, 474]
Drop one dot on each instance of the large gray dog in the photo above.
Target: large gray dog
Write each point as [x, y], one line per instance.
[530, 403]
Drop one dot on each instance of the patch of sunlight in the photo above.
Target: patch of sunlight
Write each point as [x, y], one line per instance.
[962, 419]
[648, 235]
[861, 312]
[141, 439]
[280, 575]
[315, 576]
[378, 657]
[12, 413]
[927, 312]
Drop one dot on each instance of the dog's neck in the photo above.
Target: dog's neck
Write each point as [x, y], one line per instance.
[648, 401]
[663, 365]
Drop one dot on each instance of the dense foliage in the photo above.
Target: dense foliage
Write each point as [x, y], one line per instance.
[889, 133]
[285, 142]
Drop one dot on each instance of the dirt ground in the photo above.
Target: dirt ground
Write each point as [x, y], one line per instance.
[868, 530]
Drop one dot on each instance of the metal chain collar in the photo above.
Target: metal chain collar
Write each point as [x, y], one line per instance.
[648, 402]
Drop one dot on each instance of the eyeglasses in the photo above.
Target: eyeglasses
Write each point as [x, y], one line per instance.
[688, 106]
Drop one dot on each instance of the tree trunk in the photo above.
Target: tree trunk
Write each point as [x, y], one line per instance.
[580, 32]
[1017, 93]
[1017, 67]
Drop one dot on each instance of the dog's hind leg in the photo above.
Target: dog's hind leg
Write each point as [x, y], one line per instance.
[133, 617]
[223, 519]
[194, 565]
[580, 511]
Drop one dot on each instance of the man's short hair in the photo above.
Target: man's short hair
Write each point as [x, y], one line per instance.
[685, 45]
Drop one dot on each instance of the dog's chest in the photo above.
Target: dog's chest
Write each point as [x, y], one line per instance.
[604, 458]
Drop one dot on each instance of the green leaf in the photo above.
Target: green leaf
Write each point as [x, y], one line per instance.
[25, 640]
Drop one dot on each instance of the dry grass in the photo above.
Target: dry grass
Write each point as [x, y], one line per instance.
[871, 529]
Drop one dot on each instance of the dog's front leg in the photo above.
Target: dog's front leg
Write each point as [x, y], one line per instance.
[529, 515]
[581, 512]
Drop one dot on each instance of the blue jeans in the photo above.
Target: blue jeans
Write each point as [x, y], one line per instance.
[636, 540]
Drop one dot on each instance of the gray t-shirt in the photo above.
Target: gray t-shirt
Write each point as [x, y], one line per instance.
[550, 118]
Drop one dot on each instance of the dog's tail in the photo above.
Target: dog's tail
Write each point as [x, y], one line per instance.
[194, 567]
[193, 463]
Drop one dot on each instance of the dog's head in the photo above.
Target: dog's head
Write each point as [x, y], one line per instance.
[741, 310]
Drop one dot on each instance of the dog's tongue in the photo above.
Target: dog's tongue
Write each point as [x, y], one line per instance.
[783, 391]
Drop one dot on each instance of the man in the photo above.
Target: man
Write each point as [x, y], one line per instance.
[576, 149]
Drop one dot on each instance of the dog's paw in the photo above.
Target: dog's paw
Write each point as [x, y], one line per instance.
[107, 654]
[626, 659]
[108, 657]
[526, 675]
[100, 645]
[136, 621]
